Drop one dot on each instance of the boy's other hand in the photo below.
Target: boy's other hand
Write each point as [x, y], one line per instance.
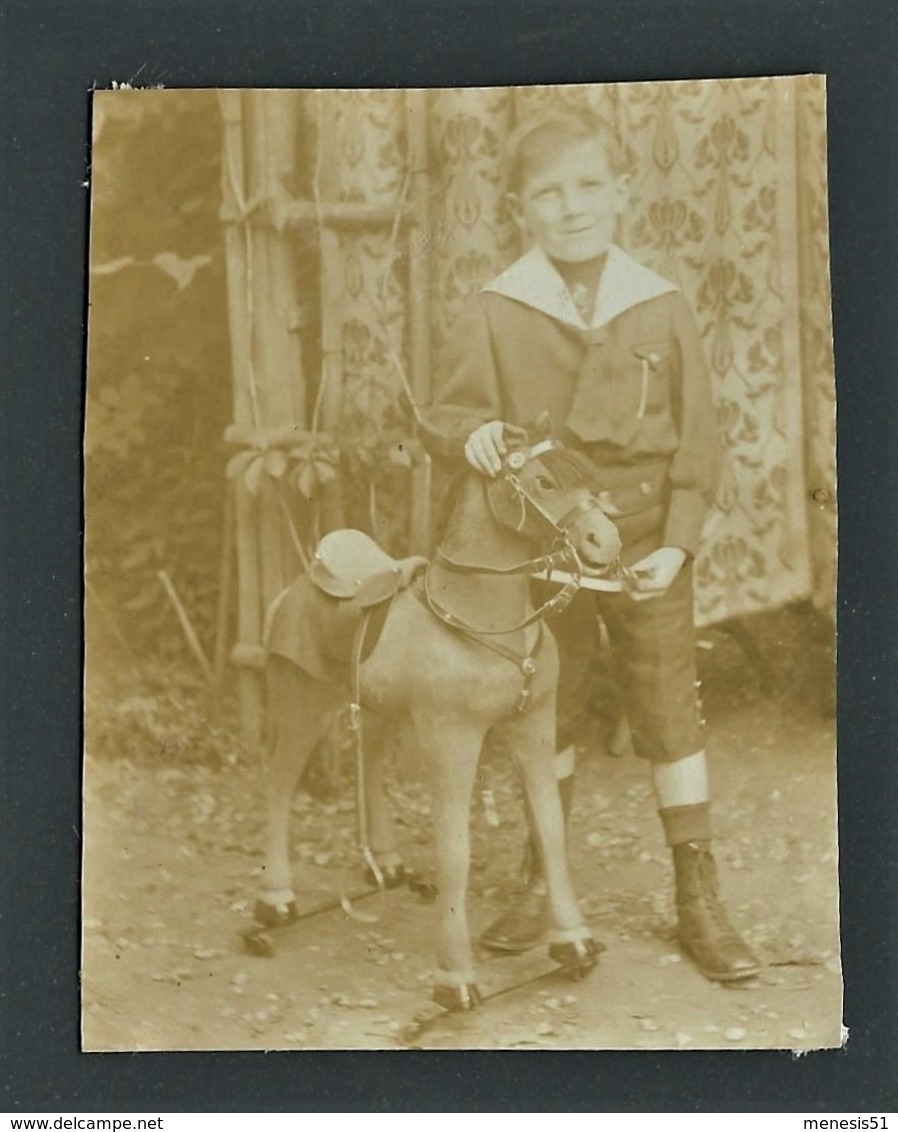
[653, 575]
[485, 448]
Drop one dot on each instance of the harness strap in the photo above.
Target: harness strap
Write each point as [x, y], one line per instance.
[554, 604]
[526, 663]
[568, 519]
[562, 525]
[544, 563]
[355, 726]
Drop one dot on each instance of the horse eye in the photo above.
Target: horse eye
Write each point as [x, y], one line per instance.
[546, 484]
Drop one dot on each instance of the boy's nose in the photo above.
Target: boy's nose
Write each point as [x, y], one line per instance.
[571, 202]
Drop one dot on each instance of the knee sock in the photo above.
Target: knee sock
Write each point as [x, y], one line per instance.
[686, 823]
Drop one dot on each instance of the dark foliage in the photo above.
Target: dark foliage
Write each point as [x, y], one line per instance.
[158, 394]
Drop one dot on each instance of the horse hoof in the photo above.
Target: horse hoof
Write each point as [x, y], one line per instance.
[394, 876]
[275, 915]
[454, 999]
[576, 957]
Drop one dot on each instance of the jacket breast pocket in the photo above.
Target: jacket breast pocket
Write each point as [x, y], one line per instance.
[651, 363]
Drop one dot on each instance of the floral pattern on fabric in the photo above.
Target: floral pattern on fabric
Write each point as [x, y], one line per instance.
[728, 200]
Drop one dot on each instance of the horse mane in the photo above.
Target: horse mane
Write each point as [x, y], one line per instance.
[569, 467]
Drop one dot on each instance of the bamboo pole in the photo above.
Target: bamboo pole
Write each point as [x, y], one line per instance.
[246, 409]
[247, 650]
[331, 393]
[278, 366]
[275, 347]
[233, 194]
[419, 315]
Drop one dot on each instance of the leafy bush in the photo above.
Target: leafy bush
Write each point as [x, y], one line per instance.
[158, 366]
[161, 715]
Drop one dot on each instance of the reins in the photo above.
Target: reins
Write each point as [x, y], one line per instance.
[555, 604]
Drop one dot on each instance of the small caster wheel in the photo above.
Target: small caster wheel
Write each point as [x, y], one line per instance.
[457, 996]
[257, 943]
[576, 957]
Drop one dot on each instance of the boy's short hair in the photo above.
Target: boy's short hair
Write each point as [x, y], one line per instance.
[540, 137]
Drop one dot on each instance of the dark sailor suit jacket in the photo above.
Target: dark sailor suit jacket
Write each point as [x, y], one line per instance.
[630, 387]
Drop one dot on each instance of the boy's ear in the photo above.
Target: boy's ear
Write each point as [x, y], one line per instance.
[623, 192]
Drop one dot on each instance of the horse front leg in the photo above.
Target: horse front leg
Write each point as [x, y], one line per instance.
[532, 738]
[299, 709]
[451, 747]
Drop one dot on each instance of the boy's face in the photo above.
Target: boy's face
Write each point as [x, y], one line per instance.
[570, 204]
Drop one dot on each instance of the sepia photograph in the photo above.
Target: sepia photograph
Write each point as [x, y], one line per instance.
[460, 570]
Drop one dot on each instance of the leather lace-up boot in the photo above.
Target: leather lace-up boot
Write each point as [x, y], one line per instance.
[705, 932]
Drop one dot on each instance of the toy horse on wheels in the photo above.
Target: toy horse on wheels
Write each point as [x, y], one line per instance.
[452, 647]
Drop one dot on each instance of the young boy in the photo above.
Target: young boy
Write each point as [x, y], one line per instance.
[578, 328]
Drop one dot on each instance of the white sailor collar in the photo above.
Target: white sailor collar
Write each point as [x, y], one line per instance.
[534, 280]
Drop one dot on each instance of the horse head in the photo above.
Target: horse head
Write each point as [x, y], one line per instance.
[545, 492]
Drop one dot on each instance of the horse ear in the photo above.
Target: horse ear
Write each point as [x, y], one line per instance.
[543, 426]
[515, 438]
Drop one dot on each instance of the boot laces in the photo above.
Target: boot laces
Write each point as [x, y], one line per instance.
[705, 888]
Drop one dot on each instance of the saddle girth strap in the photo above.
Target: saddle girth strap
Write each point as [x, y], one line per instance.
[355, 726]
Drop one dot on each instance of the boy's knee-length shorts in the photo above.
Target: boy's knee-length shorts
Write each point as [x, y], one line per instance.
[653, 645]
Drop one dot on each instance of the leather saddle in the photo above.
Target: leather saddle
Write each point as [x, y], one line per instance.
[314, 622]
[349, 564]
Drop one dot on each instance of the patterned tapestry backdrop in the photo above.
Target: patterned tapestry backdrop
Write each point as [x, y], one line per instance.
[392, 204]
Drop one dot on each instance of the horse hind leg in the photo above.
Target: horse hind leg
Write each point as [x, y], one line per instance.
[299, 711]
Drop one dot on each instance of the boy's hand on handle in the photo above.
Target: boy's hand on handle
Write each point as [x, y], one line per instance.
[485, 448]
[654, 574]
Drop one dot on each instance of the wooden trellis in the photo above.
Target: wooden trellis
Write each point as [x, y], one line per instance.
[357, 222]
[261, 216]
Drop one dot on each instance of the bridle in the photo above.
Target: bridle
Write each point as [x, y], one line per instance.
[565, 557]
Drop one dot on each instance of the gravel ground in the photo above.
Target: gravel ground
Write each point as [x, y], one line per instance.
[173, 855]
